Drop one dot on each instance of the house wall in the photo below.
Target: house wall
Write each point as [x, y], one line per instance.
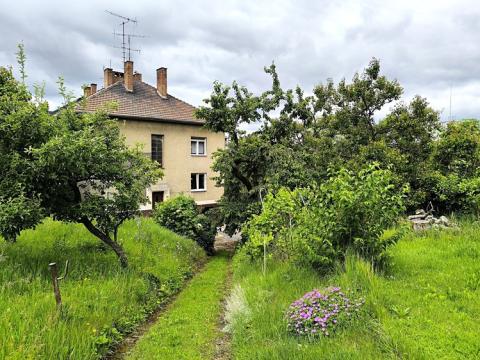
[178, 163]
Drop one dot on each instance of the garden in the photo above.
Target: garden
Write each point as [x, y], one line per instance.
[424, 306]
[101, 303]
[328, 264]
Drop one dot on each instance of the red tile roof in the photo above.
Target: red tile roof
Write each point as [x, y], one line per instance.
[144, 103]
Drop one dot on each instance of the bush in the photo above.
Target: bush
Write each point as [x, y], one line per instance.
[316, 314]
[205, 233]
[318, 225]
[180, 214]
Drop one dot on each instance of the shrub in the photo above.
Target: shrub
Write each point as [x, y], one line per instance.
[180, 214]
[205, 232]
[318, 225]
[318, 314]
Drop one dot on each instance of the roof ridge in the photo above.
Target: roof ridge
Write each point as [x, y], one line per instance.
[176, 98]
[144, 102]
[103, 89]
[183, 101]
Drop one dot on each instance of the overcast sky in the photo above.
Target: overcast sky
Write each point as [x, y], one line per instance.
[430, 46]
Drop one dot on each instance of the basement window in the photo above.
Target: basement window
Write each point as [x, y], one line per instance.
[198, 146]
[198, 182]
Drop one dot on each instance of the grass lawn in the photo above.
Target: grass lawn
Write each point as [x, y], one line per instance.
[426, 306]
[101, 301]
[188, 328]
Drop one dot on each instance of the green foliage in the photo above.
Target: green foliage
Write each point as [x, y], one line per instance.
[101, 180]
[205, 232]
[455, 178]
[426, 306]
[22, 60]
[333, 128]
[318, 226]
[180, 215]
[18, 212]
[23, 125]
[74, 167]
[101, 302]
[458, 148]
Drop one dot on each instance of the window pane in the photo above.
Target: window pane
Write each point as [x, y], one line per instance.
[194, 147]
[193, 181]
[201, 148]
[201, 181]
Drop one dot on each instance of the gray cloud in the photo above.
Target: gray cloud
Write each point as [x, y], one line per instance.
[429, 46]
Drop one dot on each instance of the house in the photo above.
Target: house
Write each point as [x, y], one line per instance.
[168, 130]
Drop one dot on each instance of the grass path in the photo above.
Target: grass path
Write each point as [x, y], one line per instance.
[189, 327]
[224, 340]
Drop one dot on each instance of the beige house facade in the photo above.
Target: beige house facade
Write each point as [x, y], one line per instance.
[168, 131]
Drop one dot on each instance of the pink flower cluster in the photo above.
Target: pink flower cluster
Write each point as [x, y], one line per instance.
[319, 314]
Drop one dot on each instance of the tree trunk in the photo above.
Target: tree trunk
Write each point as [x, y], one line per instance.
[116, 247]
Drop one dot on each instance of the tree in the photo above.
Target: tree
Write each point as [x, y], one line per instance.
[299, 136]
[405, 141]
[458, 148]
[455, 179]
[74, 167]
[87, 174]
[23, 125]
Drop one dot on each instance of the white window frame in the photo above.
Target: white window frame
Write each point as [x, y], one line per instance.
[198, 140]
[197, 175]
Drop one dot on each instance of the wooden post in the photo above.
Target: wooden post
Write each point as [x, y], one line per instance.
[56, 288]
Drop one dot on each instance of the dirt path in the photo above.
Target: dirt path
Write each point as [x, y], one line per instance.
[223, 343]
[224, 247]
[224, 242]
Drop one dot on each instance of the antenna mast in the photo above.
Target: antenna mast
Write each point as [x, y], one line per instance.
[126, 48]
[450, 113]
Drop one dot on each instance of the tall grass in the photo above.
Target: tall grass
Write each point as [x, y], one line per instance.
[101, 301]
[426, 305]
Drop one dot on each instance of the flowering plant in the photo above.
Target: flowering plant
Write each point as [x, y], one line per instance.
[319, 314]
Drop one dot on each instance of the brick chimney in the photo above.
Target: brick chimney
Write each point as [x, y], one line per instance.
[86, 91]
[137, 76]
[93, 88]
[107, 77]
[162, 82]
[128, 75]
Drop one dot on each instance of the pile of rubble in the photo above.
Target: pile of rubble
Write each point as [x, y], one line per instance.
[423, 220]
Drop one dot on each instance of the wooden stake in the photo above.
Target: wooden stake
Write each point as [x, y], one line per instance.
[56, 288]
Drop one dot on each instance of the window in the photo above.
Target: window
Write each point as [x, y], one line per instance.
[198, 182]
[157, 148]
[199, 146]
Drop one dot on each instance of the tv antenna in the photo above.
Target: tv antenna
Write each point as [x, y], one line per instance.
[126, 38]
